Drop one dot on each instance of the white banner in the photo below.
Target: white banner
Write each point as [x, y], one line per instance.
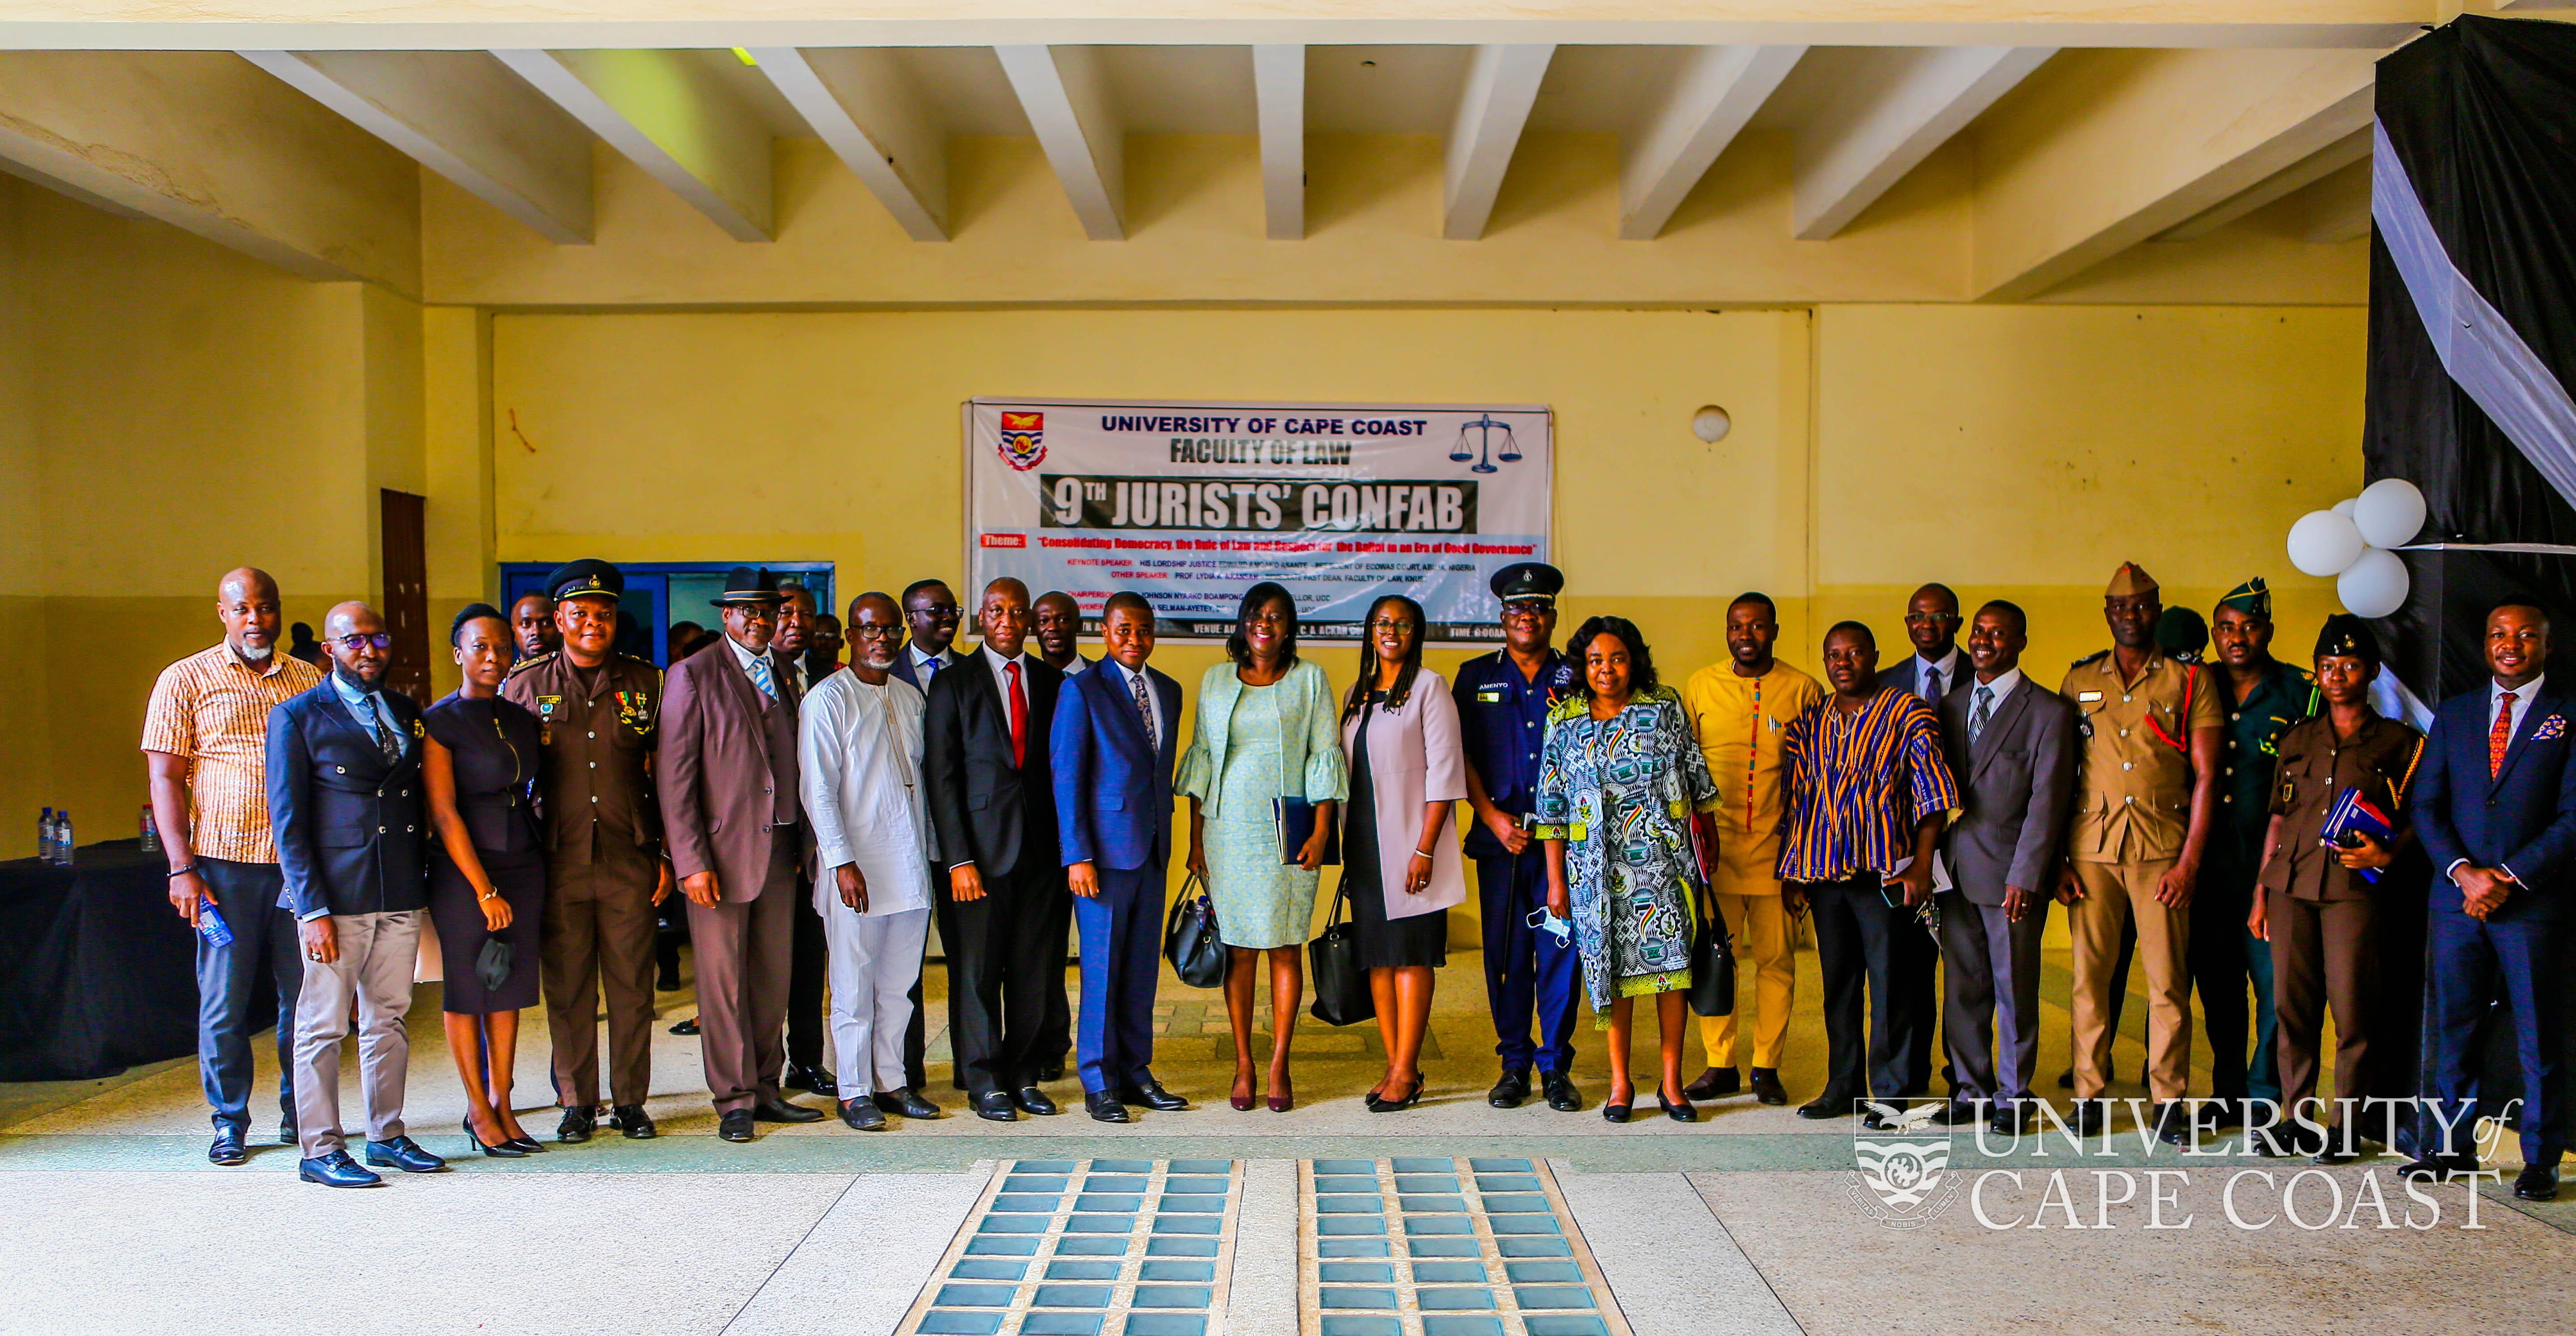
[1191, 504]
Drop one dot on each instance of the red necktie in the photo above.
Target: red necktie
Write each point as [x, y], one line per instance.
[1019, 716]
[2500, 736]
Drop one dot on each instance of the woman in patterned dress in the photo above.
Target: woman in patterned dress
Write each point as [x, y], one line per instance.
[1618, 779]
[1266, 728]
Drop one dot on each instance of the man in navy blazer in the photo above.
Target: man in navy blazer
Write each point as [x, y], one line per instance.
[2495, 804]
[347, 802]
[1113, 749]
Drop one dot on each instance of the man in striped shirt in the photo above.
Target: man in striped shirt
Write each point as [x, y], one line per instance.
[1868, 794]
[205, 744]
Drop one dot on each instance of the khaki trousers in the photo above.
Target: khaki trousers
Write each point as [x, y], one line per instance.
[2115, 894]
[598, 939]
[376, 954]
[1758, 924]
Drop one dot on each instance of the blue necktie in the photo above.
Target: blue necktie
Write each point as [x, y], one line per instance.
[1977, 717]
[761, 679]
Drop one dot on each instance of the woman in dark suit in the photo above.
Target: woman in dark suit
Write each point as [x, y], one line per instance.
[487, 882]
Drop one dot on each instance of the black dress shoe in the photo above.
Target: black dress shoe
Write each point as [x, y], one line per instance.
[689, 1026]
[1876, 1121]
[2091, 1116]
[1033, 1100]
[1152, 1095]
[634, 1122]
[1959, 1111]
[2224, 1114]
[577, 1125]
[2438, 1168]
[2066, 1079]
[1104, 1107]
[2537, 1182]
[2010, 1120]
[1614, 1113]
[227, 1148]
[811, 1078]
[863, 1115]
[286, 1134]
[1715, 1082]
[735, 1125]
[1561, 1093]
[1509, 1091]
[2287, 1139]
[1682, 1112]
[996, 1106]
[1831, 1104]
[1766, 1086]
[1051, 1071]
[666, 983]
[336, 1170]
[2172, 1120]
[780, 1111]
[405, 1154]
[906, 1101]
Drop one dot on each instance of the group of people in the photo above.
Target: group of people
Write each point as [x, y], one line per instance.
[817, 819]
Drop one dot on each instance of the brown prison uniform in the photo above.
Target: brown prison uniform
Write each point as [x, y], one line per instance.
[2132, 809]
[603, 858]
[2322, 915]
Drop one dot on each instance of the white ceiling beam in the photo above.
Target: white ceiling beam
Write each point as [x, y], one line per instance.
[2188, 130]
[859, 101]
[2317, 166]
[1279, 97]
[1066, 95]
[1851, 155]
[667, 112]
[463, 116]
[1502, 83]
[2338, 207]
[1719, 90]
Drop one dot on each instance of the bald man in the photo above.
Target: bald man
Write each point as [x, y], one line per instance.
[205, 745]
[351, 809]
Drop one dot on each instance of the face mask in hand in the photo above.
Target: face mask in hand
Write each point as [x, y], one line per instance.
[1563, 929]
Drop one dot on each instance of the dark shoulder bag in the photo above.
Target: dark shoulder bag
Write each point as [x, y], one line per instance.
[1333, 966]
[1190, 941]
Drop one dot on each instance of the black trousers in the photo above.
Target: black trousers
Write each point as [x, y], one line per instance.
[809, 964]
[2216, 958]
[997, 966]
[1054, 1037]
[1861, 940]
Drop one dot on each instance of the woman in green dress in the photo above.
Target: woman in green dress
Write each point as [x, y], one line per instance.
[1266, 728]
[1618, 778]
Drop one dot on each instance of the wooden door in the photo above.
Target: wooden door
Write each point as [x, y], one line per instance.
[406, 587]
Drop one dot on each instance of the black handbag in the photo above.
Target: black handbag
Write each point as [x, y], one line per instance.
[1333, 965]
[1712, 962]
[1190, 941]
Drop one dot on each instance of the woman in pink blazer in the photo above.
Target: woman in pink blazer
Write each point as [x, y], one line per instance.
[1400, 865]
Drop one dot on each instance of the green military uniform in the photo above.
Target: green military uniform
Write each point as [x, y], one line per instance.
[2132, 810]
[2225, 954]
[603, 834]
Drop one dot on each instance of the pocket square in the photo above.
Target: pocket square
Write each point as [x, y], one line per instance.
[2555, 726]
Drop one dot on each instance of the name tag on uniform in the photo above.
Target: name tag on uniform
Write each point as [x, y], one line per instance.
[2088, 697]
[1489, 695]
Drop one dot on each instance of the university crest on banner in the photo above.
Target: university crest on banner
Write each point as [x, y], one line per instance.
[1904, 1169]
[1023, 440]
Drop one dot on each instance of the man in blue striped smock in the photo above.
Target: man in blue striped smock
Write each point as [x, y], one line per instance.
[1868, 794]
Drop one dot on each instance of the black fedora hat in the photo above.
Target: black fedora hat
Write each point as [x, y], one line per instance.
[745, 584]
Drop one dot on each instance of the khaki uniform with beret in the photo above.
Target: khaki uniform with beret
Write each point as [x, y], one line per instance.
[603, 842]
[2132, 810]
[2323, 916]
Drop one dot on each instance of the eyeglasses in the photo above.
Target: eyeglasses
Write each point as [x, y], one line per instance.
[1918, 618]
[1390, 624]
[868, 632]
[1526, 612]
[380, 640]
[942, 610]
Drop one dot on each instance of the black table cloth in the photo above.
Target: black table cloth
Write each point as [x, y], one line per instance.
[97, 974]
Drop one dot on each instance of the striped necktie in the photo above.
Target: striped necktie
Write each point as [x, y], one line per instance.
[760, 677]
[1977, 717]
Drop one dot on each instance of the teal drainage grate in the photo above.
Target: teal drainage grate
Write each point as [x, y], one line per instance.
[1444, 1247]
[1089, 1248]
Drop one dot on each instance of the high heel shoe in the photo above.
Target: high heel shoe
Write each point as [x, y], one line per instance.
[527, 1145]
[1242, 1103]
[1379, 1104]
[503, 1151]
[1281, 1103]
[1683, 1112]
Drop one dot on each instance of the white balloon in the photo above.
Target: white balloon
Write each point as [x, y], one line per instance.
[2324, 543]
[2344, 507]
[2374, 585]
[2389, 513]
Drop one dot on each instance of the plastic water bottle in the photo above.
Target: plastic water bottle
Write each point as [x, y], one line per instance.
[45, 836]
[151, 834]
[211, 925]
[63, 844]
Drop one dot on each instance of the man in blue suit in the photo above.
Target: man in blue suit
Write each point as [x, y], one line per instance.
[2495, 804]
[350, 809]
[1113, 752]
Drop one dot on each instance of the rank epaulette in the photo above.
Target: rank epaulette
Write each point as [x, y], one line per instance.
[524, 665]
[2094, 657]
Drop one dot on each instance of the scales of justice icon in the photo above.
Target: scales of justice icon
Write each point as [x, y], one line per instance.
[1484, 453]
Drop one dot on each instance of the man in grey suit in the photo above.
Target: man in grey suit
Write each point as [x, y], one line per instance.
[2011, 742]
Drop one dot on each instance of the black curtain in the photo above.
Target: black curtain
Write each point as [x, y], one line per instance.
[2482, 114]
